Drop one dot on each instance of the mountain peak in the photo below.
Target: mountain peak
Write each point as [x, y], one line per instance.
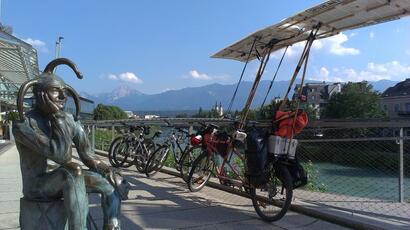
[123, 91]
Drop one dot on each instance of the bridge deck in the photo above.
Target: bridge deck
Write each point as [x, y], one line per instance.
[163, 202]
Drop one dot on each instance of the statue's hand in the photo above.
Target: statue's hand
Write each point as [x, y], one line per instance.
[120, 184]
[53, 107]
[74, 168]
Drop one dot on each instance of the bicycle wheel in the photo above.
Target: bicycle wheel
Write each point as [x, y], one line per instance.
[111, 150]
[142, 154]
[178, 147]
[156, 161]
[273, 200]
[121, 154]
[187, 160]
[131, 154]
[200, 173]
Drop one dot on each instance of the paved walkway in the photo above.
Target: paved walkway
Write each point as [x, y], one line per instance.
[163, 202]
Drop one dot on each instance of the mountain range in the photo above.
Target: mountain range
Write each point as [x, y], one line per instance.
[191, 98]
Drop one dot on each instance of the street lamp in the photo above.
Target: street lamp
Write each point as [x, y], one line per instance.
[58, 46]
[58, 49]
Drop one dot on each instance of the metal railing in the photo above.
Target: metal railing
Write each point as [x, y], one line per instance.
[361, 167]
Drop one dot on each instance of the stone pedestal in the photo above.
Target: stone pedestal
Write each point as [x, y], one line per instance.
[36, 215]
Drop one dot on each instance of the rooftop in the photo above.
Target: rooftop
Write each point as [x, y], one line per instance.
[400, 89]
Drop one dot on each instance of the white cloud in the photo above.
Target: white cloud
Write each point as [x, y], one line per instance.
[130, 77]
[353, 34]
[373, 72]
[371, 35]
[194, 74]
[112, 77]
[37, 44]
[333, 45]
[167, 89]
[126, 77]
[199, 76]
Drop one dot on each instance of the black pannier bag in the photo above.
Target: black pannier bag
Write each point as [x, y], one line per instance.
[257, 157]
[298, 173]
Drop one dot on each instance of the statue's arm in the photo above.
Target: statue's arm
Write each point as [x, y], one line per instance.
[85, 151]
[54, 148]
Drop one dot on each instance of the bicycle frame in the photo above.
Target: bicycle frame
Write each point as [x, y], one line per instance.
[212, 151]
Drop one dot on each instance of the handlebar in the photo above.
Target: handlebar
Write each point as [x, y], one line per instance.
[132, 128]
[210, 125]
[182, 130]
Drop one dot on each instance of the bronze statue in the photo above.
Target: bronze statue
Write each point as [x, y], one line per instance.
[46, 133]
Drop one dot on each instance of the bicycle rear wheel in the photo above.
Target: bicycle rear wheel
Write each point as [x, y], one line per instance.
[272, 201]
[201, 172]
[187, 160]
[156, 161]
[111, 150]
[123, 154]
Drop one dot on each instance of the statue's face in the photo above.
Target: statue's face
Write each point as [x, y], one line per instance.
[58, 96]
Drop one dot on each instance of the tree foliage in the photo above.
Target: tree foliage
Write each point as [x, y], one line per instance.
[107, 112]
[356, 100]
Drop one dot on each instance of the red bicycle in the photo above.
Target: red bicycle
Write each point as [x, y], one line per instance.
[271, 197]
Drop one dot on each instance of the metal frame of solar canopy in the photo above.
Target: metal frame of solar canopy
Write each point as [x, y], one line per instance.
[328, 19]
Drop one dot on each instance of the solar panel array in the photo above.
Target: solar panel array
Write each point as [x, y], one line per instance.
[334, 16]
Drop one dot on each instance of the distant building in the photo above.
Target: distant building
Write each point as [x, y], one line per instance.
[130, 114]
[318, 94]
[18, 64]
[150, 116]
[396, 100]
[218, 110]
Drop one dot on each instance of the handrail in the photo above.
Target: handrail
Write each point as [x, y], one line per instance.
[325, 123]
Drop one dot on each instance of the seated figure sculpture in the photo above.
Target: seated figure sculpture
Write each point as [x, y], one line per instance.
[47, 133]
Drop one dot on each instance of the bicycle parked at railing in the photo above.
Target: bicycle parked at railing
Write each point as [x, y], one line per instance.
[269, 185]
[132, 148]
[178, 142]
[195, 150]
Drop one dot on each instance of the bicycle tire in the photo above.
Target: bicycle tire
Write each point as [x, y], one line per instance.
[200, 173]
[187, 159]
[179, 147]
[156, 161]
[122, 154]
[142, 156]
[131, 154]
[111, 150]
[279, 206]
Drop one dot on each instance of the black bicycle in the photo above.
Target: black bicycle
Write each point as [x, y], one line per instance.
[178, 142]
[132, 148]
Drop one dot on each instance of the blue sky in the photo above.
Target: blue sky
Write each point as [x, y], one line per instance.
[157, 45]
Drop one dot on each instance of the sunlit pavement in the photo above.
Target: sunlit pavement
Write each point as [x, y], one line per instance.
[163, 202]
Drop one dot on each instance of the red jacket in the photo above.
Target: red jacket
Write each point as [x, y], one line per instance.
[285, 125]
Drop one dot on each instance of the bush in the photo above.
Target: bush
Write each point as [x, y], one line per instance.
[106, 112]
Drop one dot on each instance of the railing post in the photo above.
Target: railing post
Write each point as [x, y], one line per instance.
[112, 133]
[401, 176]
[93, 137]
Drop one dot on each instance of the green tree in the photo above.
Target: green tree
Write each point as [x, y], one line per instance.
[267, 112]
[107, 112]
[311, 111]
[356, 100]
[200, 113]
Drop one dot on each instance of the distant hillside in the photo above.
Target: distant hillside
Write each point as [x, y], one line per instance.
[191, 98]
